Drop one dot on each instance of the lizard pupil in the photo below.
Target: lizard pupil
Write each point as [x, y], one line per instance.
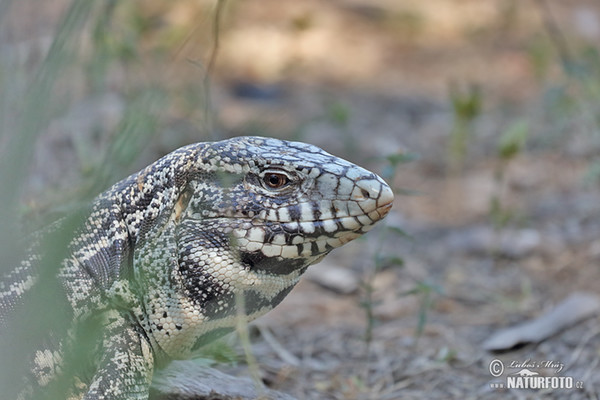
[275, 181]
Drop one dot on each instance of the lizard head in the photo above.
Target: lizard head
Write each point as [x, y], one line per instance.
[282, 204]
[253, 214]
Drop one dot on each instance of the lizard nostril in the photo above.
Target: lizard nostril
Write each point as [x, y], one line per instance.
[365, 193]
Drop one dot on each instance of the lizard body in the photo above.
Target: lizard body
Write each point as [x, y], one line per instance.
[162, 256]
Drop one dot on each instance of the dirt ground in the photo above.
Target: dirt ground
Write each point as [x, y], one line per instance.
[492, 239]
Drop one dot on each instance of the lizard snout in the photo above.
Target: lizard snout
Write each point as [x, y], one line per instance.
[374, 197]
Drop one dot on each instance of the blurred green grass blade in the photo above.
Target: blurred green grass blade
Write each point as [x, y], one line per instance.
[33, 109]
[34, 116]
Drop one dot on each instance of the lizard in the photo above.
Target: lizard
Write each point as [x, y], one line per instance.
[163, 256]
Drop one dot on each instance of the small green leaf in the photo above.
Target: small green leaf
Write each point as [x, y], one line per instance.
[401, 158]
[513, 140]
[467, 103]
[369, 304]
[339, 114]
[398, 231]
[394, 261]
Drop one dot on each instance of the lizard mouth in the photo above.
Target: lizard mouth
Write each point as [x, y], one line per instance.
[254, 228]
[294, 237]
[384, 209]
[305, 238]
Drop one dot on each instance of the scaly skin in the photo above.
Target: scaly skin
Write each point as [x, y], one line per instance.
[163, 254]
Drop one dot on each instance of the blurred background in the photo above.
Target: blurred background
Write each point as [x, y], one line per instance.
[483, 115]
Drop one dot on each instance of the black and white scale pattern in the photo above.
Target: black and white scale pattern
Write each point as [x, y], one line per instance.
[164, 253]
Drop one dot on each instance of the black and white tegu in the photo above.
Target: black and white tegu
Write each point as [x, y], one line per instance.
[163, 254]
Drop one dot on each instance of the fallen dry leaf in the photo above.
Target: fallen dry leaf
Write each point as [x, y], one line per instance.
[573, 309]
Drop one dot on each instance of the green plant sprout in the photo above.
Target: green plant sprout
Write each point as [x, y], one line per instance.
[466, 106]
[510, 144]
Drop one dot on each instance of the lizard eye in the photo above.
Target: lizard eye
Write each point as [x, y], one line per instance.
[274, 180]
